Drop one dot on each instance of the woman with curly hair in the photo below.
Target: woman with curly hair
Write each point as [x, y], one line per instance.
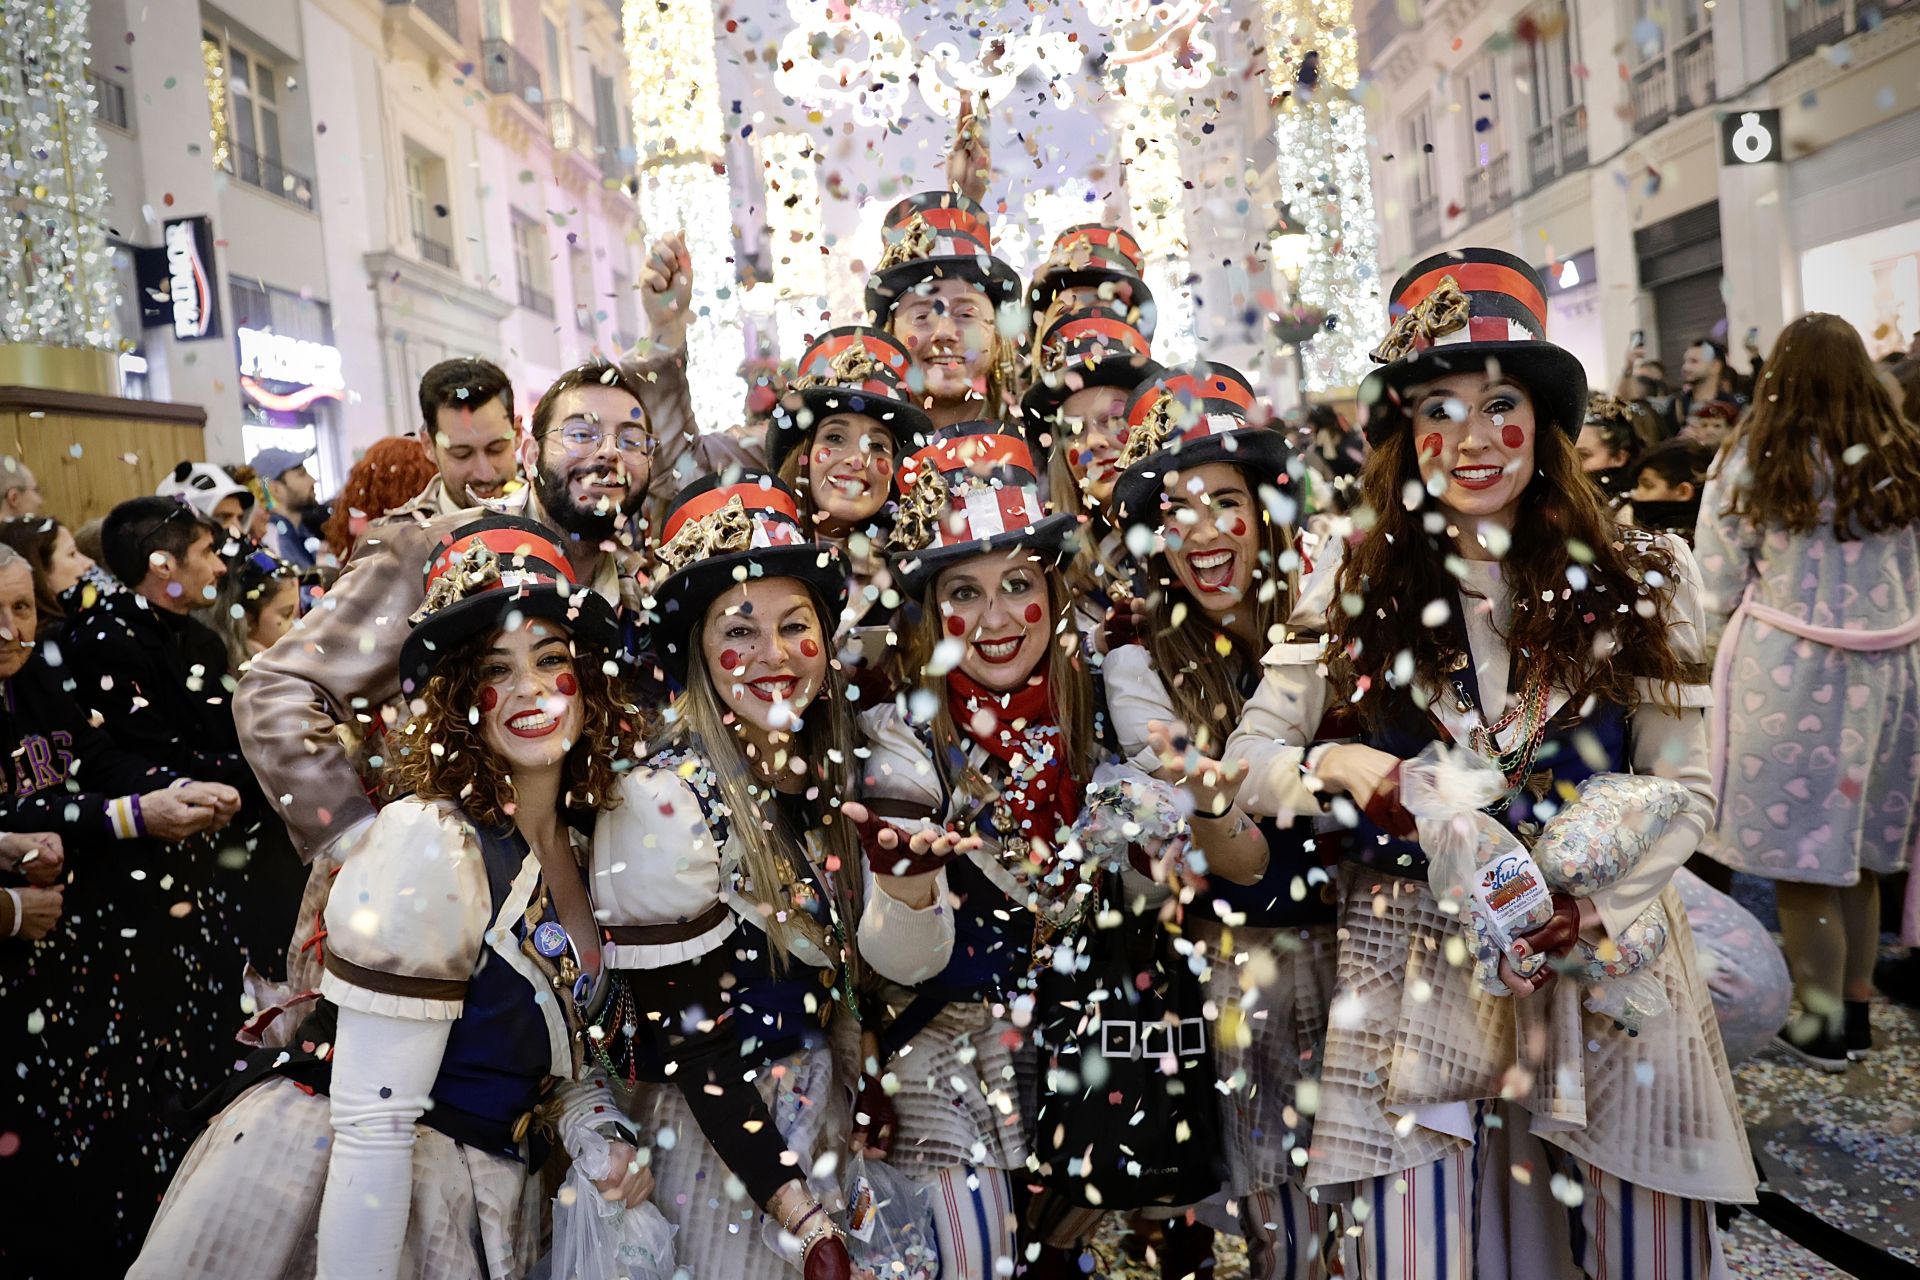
[390, 474]
[1493, 603]
[395, 1132]
[1808, 538]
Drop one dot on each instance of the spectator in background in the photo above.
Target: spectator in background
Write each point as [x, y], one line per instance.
[59, 567]
[210, 491]
[1709, 424]
[87, 539]
[1667, 482]
[1607, 445]
[469, 432]
[258, 526]
[1334, 454]
[297, 516]
[391, 475]
[19, 491]
[257, 603]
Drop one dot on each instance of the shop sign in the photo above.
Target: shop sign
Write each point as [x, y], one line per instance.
[311, 369]
[1750, 137]
[1568, 274]
[192, 298]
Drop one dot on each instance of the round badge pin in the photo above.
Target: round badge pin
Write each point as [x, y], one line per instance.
[549, 939]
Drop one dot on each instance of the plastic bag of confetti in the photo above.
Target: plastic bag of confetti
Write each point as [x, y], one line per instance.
[1741, 964]
[598, 1239]
[890, 1226]
[1126, 807]
[1604, 834]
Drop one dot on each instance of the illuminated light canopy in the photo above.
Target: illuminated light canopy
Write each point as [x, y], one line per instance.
[1321, 134]
[1162, 37]
[59, 284]
[677, 129]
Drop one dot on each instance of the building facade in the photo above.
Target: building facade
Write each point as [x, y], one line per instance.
[315, 200]
[1681, 168]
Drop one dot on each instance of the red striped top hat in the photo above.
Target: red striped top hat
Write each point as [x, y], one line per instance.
[1082, 349]
[1472, 310]
[489, 573]
[1092, 254]
[853, 369]
[974, 490]
[937, 235]
[727, 529]
[1187, 418]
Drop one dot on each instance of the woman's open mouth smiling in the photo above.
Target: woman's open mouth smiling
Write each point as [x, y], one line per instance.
[532, 724]
[1212, 570]
[1483, 477]
[773, 688]
[998, 652]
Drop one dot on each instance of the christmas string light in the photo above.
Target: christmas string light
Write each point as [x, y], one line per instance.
[57, 265]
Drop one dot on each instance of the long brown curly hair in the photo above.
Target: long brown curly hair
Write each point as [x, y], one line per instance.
[1820, 397]
[390, 474]
[439, 754]
[1623, 585]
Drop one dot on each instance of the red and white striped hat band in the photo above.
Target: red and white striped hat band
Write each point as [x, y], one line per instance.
[776, 520]
[980, 508]
[938, 232]
[1090, 340]
[1504, 303]
[1110, 246]
[1197, 405]
[522, 560]
[986, 455]
[856, 358]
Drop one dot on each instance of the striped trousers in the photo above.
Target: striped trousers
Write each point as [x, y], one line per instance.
[1284, 1231]
[973, 1211]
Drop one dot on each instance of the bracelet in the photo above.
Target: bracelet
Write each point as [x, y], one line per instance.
[793, 1228]
[19, 913]
[139, 819]
[826, 1230]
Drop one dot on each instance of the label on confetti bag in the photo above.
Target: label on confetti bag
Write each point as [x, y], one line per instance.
[860, 1210]
[1511, 897]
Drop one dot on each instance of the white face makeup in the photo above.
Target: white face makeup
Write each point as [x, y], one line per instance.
[996, 607]
[1210, 525]
[766, 652]
[849, 470]
[1474, 437]
[529, 700]
[1095, 421]
[947, 327]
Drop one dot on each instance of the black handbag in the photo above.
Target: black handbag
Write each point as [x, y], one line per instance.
[1128, 1111]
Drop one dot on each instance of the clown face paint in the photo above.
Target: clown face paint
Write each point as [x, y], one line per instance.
[989, 597]
[526, 715]
[1209, 524]
[849, 471]
[765, 653]
[1093, 421]
[1477, 419]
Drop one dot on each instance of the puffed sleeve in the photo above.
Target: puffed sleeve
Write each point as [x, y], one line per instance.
[897, 780]
[408, 915]
[656, 871]
[1686, 628]
[1669, 743]
[1135, 696]
[1278, 724]
[905, 944]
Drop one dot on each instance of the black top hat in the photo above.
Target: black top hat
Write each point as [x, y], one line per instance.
[1092, 254]
[852, 369]
[937, 235]
[1472, 310]
[488, 571]
[1082, 349]
[1187, 418]
[974, 490]
[727, 529]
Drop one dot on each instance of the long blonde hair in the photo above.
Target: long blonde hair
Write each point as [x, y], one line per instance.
[699, 723]
[1070, 692]
[1203, 682]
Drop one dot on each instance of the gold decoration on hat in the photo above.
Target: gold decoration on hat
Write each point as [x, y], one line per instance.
[854, 364]
[917, 241]
[921, 510]
[472, 569]
[1602, 407]
[1145, 440]
[717, 533]
[1446, 310]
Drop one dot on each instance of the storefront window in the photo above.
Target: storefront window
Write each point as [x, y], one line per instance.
[291, 378]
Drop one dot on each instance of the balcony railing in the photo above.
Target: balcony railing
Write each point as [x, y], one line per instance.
[1423, 221]
[269, 175]
[612, 163]
[508, 71]
[110, 100]
[534, 300]
[1543, 157]
[567, 128]
[1693, 72]
[444, 13]
[433, 251]
[1812, 23]
[1573, 138]
[1651, 92]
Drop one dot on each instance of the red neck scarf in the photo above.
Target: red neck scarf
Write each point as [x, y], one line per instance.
[1020, 730]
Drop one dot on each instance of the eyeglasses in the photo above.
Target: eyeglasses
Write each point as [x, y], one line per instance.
[582, 435]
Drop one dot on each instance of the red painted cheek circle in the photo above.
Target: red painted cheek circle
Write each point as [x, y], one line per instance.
[1034, 614]
[822, 456]
[883, 465]
[956, 626]
[489, 699]
[1432, 445]
[809, 648]
[1512, 437]
[567, 683]
[1238, 527]
[729, 659]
